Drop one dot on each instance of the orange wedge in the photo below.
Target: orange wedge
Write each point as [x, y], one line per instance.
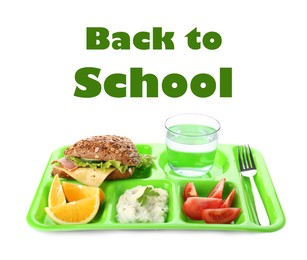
[76, 212]
[56, 194]
[74, 192]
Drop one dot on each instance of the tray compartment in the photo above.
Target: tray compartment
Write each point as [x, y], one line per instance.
[122, 186]
[203, 188]
[41, 218]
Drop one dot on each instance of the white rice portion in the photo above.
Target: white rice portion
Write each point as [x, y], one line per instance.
[129, 210]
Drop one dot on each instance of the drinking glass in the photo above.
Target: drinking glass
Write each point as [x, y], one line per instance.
[191, 143]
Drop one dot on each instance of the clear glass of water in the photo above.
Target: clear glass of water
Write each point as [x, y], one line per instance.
[191, 143]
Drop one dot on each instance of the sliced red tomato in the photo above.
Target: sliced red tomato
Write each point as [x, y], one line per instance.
[217, 191]
[193, 206]
[220, 216]
[189, 191]
[228, 201]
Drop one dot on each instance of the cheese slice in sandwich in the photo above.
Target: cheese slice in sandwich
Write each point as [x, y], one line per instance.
[92, 160]
[88, 176]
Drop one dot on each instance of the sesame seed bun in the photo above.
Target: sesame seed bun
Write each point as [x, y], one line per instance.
[105, 148]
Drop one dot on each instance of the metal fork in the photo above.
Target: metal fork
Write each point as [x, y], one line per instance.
[248, 169]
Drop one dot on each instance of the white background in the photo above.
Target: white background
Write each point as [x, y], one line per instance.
[43, 44]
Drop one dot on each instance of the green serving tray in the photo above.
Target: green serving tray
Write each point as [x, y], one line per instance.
[160, 175]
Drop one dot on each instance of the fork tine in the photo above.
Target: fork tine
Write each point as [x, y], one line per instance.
[245, 158]
[253, 165]
[240, 159]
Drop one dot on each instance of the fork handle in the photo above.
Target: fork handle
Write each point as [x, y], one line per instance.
[261, 211]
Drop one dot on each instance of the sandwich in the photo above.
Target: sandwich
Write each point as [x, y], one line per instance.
[92, 160]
